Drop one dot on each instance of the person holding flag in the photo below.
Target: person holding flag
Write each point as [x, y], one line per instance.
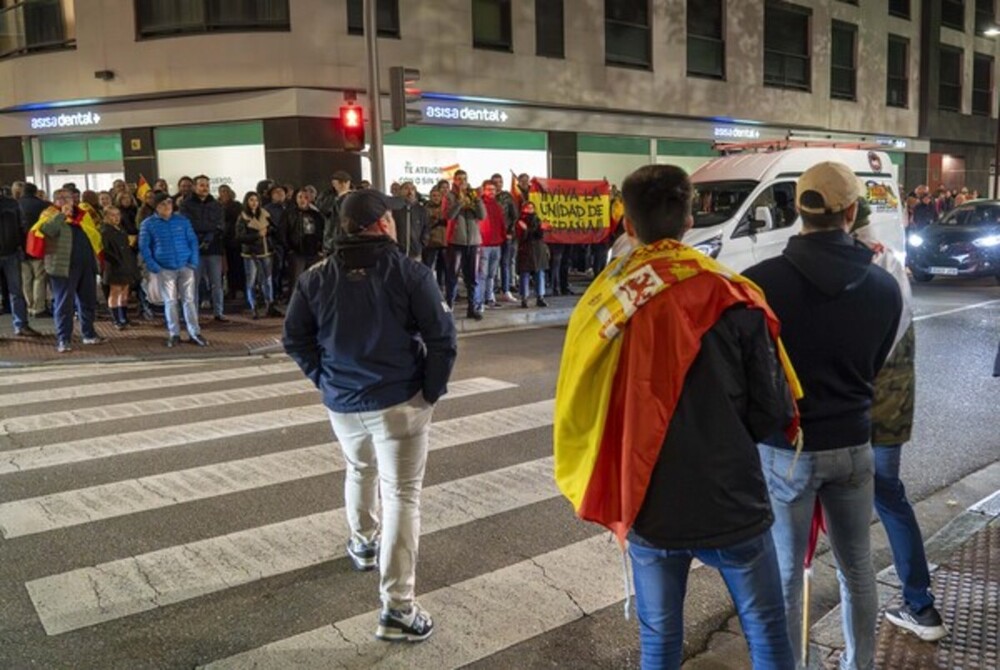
[672, 372]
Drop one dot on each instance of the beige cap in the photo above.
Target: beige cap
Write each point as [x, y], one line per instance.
[827, 188]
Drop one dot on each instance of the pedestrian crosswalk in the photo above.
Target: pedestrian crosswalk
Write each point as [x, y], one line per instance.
[110, 546]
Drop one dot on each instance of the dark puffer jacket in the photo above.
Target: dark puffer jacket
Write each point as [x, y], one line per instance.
[120, 263]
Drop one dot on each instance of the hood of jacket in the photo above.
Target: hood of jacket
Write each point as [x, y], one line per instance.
[363, 251]
[832, 261]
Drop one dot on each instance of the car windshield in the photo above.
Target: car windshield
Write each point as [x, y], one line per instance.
[985, 214]
[717, 202]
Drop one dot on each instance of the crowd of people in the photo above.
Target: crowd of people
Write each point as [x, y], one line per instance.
[924, 206]
[257, 247]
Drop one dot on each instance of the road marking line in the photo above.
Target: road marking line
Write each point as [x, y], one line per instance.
[120, 588]
[143, 408]
[70, 508]
[58, 373]
[105, 446]
[955, 311]
[473, 619]
[145, 384]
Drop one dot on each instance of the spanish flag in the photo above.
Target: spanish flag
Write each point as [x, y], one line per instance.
[35, 242]
[630, 342]
[142, 189]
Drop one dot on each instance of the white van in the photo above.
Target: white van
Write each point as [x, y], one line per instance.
[744, 208]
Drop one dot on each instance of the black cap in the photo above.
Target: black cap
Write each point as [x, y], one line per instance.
[160, 197]
[341, 175]
[364, 208]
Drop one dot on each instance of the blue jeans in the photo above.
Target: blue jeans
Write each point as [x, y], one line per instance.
[539, 283]
[844, 481]
[464, 258]
[210, 270]
[489, 260]
[78, 290]
[254, 268]
[180, 285]
[750, 570]
[10, 267]
[901, 526]
[507, 266]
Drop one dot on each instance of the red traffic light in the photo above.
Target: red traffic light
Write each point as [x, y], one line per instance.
[352, 127]
[351, 117]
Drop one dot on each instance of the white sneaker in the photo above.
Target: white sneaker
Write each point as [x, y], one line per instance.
[413, 625]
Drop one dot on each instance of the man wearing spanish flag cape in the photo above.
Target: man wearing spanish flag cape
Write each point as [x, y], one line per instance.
[672, 372]
[68, 237]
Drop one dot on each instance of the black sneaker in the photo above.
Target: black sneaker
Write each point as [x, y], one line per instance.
[413, 625]
[26, 331]
[198, 340]
[63, 347]
[173, 341]
[363, 556]
[925, 624]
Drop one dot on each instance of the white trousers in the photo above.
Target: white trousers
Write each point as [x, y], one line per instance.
[387, 450]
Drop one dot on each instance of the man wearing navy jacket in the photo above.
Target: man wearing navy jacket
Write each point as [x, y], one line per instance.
[369, 328]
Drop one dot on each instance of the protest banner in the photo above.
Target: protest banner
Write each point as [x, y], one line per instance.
[573, 211]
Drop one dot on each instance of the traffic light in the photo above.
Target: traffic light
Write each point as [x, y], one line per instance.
[352, 127]
[403, 94]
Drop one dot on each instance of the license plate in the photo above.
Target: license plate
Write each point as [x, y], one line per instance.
[951, 272]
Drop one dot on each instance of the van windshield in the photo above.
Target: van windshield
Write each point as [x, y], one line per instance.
[716, 202]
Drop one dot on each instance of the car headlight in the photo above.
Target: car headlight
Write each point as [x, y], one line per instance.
[915, 240]
[988, 241]
[710, 248]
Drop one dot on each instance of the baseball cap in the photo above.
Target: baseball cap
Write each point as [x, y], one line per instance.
[827, 188]
[363, 208]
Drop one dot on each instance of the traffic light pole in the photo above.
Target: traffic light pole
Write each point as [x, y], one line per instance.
[374, 95]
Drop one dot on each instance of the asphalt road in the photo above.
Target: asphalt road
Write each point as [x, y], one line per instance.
[171, 515]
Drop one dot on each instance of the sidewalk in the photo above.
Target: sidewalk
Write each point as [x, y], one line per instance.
[964, 553]
[241, 336]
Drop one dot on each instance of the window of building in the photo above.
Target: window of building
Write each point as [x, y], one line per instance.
[706, 45]
[34, 25]
[986, 16]
[170, 17]
[898, 81]
[491, 25]
[982, 84]
[950, 79]
[900, 8]
[549, 29]
[787, 62]
[386, 17]
[627, 38]
[953, 14]
[843, 57]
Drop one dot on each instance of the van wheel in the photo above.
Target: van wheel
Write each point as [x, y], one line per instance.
[924, 277]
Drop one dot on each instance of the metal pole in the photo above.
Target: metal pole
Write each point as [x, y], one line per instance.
[996, 159]
[374, 95]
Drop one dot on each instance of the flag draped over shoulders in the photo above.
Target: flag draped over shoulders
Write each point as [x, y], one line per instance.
[630, 342]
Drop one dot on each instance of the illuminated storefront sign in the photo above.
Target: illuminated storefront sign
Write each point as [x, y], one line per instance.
[70, 120]
[736, 133]
[466, 114]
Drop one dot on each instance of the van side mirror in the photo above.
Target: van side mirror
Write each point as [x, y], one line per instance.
[762, 219]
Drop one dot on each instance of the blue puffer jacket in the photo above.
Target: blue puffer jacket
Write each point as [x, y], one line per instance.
[168, 244]
[369, 328]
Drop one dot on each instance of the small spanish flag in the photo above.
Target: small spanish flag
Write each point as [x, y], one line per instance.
[142, 189]
[646, 312]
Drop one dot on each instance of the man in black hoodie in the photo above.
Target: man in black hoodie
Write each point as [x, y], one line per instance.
[839, 314]
[209, 222]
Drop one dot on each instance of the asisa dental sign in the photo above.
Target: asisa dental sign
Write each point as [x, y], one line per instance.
[72, 120]
[736, 132]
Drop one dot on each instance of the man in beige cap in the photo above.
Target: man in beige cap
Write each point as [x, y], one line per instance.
[839, 314]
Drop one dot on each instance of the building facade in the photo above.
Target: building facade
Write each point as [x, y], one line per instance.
[94, 89]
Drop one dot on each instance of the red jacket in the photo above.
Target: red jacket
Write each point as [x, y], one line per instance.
[494, 227]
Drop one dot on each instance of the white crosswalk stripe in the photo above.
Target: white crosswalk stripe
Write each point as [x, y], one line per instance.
[133, 385]
[59, 373]
[109, 591]
[523, 598]
[473, 619]
[88, 449]
[70, 508]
